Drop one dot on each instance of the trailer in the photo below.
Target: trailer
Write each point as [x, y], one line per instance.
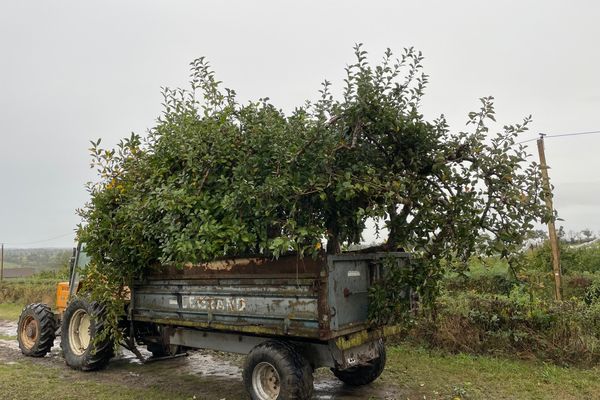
[290, 316]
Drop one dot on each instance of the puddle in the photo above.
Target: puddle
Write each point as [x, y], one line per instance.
[8, 328]
[330, 388]
[201, 363]
[205, 364]
[126, 356]
[11, 344]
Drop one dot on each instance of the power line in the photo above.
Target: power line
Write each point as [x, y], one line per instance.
[41, 241]
[560, 135]
[572, 134]
[526, 141]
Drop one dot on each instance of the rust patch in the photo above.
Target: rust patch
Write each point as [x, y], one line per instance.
[225, 265]
[291, 266]
[356, 339]
[323, 308]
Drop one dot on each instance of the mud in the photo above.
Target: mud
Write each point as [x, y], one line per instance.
[204, 374]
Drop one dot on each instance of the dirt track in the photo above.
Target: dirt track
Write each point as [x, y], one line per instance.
[204, 374]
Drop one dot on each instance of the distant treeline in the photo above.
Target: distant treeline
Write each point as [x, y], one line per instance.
[40, 259]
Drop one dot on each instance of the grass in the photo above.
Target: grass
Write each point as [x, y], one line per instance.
[30, 380]
[411, 373]
[10, 311]
[435, 375]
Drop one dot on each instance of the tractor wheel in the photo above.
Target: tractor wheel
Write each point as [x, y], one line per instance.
[363, 374]
[36, 330]
[82, 322]
[274, 370]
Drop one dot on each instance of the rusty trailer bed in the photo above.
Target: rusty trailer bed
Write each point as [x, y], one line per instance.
[320, 299]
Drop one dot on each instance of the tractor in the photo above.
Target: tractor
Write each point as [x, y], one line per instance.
[75, 319]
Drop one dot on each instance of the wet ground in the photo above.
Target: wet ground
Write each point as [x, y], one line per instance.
[204, 374]
[8, 328]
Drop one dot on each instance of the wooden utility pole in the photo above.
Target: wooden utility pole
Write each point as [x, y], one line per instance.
[551, 227]
[2, 262]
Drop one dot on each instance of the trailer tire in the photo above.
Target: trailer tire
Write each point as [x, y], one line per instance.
[364, 374]
[275, 370]
[159, 350]
[82, 322]
[36, 330]
[162, 348]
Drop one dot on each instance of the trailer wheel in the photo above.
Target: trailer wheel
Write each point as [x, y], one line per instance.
[82, 322]
[162, 348]
[364, 374]
[274, 370]
[36, 330]
[159, 350]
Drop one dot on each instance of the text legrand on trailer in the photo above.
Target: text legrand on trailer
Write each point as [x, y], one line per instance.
[213, 303]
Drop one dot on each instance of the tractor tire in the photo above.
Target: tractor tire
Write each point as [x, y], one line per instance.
[82, 322]
[363, 374]
[274, 370]
[36, 330]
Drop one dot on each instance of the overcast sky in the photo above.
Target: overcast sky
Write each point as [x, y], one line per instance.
[73, 71]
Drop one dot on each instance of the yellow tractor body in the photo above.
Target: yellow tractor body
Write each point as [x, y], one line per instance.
[62, 297]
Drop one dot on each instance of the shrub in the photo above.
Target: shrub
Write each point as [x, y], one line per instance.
[564, 332]
[592, 292]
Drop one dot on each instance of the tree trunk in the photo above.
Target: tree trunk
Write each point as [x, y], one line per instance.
[333, 240]
[393, 239]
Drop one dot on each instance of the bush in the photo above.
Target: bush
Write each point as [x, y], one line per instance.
[488, 311]
[563, 332]
[592, 292]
